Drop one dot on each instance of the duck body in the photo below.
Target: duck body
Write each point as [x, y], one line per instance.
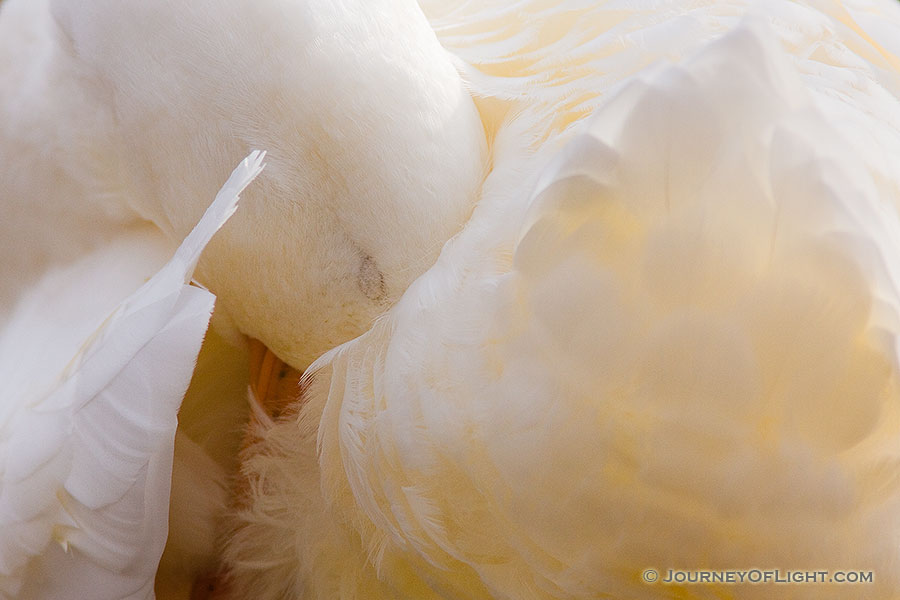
[665, 337]
[61, 198]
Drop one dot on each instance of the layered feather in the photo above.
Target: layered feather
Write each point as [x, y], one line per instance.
[93, 365]
[666, 338]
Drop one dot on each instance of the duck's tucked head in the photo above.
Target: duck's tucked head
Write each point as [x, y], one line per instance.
[375, 149]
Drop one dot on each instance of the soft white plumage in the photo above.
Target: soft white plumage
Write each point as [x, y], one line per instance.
[58, 187]
[338, 226]
[92, 374]
[106, 127]
[666, 336]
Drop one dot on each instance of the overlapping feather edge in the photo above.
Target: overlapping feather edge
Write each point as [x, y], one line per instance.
[88, 464]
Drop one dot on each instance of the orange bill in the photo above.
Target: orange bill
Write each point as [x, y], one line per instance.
[274, 383]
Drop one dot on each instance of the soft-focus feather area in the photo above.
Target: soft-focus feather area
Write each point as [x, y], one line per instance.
[666, 338]
[92, 375]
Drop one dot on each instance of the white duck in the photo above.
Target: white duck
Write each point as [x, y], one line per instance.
[666, 337]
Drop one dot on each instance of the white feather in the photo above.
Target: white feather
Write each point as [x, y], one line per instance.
[666, 338]
[365, 182]
[667, 335]
[89, 413]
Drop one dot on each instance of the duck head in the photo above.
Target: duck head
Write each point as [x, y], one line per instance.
[375, 149]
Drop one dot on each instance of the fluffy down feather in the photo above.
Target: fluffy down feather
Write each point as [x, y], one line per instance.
[666, 338]
[92, 376]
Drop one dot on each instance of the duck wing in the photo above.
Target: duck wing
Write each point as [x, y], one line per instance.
[92, 376]
[674, 345]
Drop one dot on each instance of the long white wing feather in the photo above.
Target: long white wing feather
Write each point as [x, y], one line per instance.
[88, 414]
